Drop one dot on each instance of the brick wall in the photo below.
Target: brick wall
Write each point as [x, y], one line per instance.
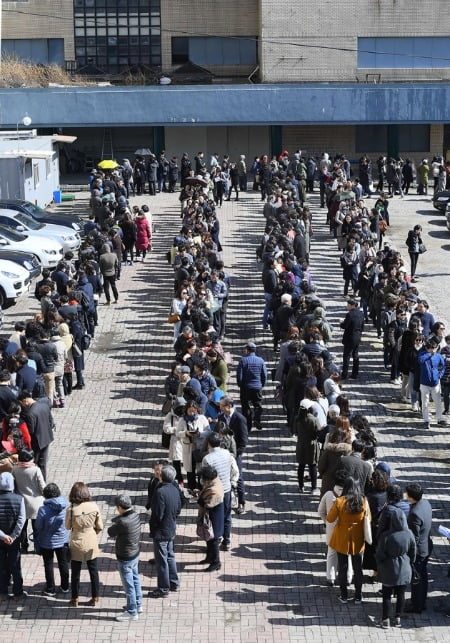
[314, 140]
[55, 21]
[327, 28]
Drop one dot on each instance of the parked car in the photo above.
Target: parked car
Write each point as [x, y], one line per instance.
[14, 282]
[69, 239]
[43, 216]
[25, 259]
[447, 215]
[48, 251]
[440, 200]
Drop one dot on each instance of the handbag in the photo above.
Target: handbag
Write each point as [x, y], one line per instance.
[165, 437]
[76, 350]
[422, 248]
[85, 341]
[173, 318]
[367, 528]
[204, 526]
[234, 499]
[68, 366]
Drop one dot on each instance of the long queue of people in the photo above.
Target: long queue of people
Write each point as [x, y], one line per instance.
[38, 364]
[370, 522]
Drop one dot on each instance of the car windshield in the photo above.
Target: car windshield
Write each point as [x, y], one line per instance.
[28, 222]
[35, 211]
[11, 235]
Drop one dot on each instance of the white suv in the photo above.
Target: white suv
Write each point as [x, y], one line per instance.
[14, 282]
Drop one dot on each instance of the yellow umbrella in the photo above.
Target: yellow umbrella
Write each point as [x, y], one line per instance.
[108, 165]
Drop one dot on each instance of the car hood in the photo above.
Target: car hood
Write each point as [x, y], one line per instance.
[14, 268]
[52, 229]
[62, 220]
[35, 242]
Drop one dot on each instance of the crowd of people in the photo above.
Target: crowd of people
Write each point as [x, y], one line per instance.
[38, 364]
[360, 502]
[369, 524]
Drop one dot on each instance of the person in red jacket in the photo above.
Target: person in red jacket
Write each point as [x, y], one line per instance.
[143, 235]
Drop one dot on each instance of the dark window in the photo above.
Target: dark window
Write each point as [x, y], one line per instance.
[212, 50]
[110, 48]
[374, 138]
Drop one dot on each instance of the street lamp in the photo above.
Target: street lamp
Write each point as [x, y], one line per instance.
[26, 122]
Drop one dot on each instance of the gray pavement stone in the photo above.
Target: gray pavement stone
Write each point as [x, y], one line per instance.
[270, 586]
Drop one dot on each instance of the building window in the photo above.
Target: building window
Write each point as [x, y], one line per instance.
[213, 50]
[374, 138]
[404, 53]
[126, 20]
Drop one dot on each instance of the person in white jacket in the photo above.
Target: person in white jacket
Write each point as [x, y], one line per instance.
[324, 506]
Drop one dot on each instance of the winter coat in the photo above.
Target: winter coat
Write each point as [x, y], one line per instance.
[126, 529]
[348, 534]
[329, 463]
[432, 367]
[413, 241]
[307, 427]
[170, 427]
[324, 507]
[51, 532]
[30, 483]
[143, 233]
[189, 440]
[85, 522]
[211, 500]
[396, 552]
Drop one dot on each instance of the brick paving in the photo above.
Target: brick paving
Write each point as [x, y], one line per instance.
[271, 585]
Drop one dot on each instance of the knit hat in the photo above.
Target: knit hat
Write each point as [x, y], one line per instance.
[6, 482]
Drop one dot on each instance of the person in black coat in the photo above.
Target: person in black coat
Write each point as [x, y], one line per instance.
[38, 416]
[165, 508]
[353, 325]
[7, 395]
[355, 466]
[126, 529]
[237, 424]
[419, 521]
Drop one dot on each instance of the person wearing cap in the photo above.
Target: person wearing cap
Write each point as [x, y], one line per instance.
[353, 326]
[251, 378]
[126, 529]
[12, 520]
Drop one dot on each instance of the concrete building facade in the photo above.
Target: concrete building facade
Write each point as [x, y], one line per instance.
[359, 76]
[354, 41]
[39, 31]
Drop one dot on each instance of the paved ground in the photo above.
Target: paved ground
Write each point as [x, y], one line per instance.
[271, 585]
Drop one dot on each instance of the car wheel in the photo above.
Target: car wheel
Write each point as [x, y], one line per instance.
[2, 299]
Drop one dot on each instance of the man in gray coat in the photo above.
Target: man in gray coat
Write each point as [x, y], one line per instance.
[419, 521]
[108, 266]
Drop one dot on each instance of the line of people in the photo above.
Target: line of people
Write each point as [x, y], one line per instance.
[369, 525]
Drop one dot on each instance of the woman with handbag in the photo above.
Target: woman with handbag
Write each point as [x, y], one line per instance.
[414, 243]
[67, 338]
[177, 307]
[352, 515]
[30, 483]
[211, 515]
[84, 521]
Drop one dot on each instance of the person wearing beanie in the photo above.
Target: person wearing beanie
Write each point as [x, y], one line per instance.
[12, 520]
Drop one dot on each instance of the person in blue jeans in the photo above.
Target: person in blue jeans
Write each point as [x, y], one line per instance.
[12, 520]
[126, 529]
[165, 508]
